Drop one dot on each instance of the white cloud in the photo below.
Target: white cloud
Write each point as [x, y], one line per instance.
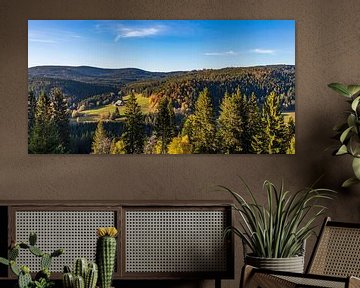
[52, 36]
[263, 51]
[124, 32]
[42, 40]
[226, 53]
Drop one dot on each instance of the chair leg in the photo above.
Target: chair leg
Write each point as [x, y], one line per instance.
[251, 279]
[246, 274]
[217, 283]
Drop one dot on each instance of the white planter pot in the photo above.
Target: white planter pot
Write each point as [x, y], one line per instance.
[291, 264]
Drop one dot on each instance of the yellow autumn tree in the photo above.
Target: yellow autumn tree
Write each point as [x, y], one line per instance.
[180, 145]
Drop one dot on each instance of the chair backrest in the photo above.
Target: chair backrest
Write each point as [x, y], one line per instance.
[337, 251]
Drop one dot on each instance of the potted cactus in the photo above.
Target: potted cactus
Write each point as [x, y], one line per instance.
[42, 278]
[85, 275]
[106, 254]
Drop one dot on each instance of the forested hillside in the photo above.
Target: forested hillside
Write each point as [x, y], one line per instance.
[132, 111]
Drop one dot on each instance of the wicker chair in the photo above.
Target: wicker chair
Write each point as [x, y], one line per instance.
[334, 263]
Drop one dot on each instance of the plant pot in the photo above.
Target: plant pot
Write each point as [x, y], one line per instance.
[291, 264]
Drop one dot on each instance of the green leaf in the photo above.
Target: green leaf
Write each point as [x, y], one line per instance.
[349, 182]
[354, 145]
[340, 88]
[355, 103]
[342, 150]
[351, 120]
[353, 89]
[345, 134]
[356, 167]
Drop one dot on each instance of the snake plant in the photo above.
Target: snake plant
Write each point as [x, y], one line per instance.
[279, 228]
[349, 132]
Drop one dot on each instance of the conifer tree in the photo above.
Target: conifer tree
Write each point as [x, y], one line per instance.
[60, 117]
[291, 148]
[101, 142]
[165, 123]
[272, 137]
[115, 114]
[44, 137]
[134, 133]
[204, 126]
[31, 110]
[250, 122]
[230, 124]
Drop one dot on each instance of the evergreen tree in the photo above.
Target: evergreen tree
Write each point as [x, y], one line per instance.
[134, 133]
[31, 110]
[101, 142]
[273, 136]
[291, 148]
[116, 114]
[187, 127]
[250, 122]
[165, 123]
[230, 124]
[60, 117]
[44, 137]
[204, 126]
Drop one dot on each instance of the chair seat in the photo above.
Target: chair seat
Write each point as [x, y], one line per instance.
[314, 282]
[269, 279]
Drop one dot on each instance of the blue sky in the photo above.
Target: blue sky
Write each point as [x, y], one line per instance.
[161, 45]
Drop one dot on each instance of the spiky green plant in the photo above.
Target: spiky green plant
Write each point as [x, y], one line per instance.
[279, 229]
[42, 278]
[106, 254]
[85, 274]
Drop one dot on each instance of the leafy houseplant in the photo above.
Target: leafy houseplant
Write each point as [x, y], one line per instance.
[349, 131]
[278, 230]
[42, 278]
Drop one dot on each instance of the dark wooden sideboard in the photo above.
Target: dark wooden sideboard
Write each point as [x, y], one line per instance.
[157, 240]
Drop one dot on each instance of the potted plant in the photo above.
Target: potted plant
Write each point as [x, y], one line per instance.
[349, 132]
[42, 278]
[276, 233]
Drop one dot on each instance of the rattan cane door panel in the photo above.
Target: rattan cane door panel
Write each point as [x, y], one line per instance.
[74, 230]
[175, 241]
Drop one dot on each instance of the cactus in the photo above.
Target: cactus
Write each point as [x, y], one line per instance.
[4, 261]
[13, 253]
[68, 280]
[80, 268]
[14, 268]
[105, 255]
[24, 280]
[32, 239]
[36, 251]
[79, 282]
[91, 276]
[45, 261]
[23, 273]
[89, 272]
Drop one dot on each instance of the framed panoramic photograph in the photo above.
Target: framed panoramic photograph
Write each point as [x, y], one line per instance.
[161, 86]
